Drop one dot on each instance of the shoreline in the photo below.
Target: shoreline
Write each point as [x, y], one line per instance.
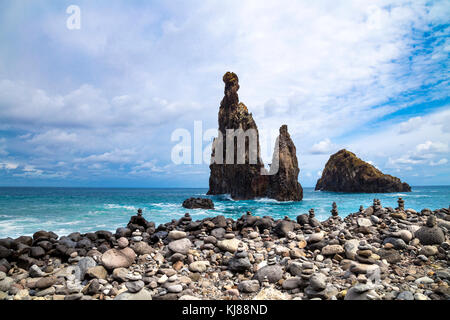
[377, 253]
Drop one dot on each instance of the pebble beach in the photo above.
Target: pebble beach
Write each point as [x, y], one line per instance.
[377, 253]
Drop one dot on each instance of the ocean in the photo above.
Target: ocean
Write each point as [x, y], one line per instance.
[24, 211]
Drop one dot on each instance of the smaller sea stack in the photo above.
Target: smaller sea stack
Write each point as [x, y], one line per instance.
[345, 172]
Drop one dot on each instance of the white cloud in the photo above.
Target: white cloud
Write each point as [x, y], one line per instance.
[8, 165]
[438, 163]
[115, 156]
[411, 124]
[323, 147]
[429, 146]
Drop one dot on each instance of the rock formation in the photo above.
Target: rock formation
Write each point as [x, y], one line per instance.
[198, 203]
[284, 185]
[241, 181]
[345, 172]
[242, 174]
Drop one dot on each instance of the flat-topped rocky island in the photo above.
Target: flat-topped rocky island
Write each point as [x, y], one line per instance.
[377, 253]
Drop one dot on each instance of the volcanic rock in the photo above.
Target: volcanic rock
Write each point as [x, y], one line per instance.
[430, 233]
[198, 203]
[345, 172]
[283, 184]
[241, 173]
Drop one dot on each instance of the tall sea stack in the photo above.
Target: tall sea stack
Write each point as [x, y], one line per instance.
[284, 185]
[249, 179]
[345, 172]
[241, 181]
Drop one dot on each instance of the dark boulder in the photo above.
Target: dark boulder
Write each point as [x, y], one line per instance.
[5, 252]
[430, 233]
[283, 227]
[198, 203]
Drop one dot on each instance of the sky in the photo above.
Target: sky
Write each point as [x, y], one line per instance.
[100, 106]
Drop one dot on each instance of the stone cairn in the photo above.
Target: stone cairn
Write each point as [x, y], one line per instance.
[334, 210]
[308, 228]
[401, 204]
[307, 272]
[271, 259]
[364, 253]
[266, 235]
[229, 231]
[265, 282]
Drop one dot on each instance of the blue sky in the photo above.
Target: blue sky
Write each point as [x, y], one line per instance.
[97, 106]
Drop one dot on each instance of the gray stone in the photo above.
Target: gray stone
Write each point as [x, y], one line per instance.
[180, 246]
[249, 286]
[84, 264]
[332, 249]
[35, 271]
[114, 258]
[318, 281]
[144, 294]
[6, 283]
[199, 266]
[292, 283]
[430, 236]
[272, 272]
[396, 242]
[364, 222]
[134, 286]
[239, 264]
[405, 295]
[350, 247]
[175, 288]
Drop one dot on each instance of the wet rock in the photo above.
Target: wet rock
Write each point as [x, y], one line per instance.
[198, 203]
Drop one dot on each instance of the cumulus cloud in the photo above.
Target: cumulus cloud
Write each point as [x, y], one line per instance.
[106, 98]
[438, 163]
[430, 146]
[8, 165]
[323, 147]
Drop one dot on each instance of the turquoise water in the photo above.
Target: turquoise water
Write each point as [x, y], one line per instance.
[24, 211]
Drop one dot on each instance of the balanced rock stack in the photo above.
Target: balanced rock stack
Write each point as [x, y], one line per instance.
[240, 262]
